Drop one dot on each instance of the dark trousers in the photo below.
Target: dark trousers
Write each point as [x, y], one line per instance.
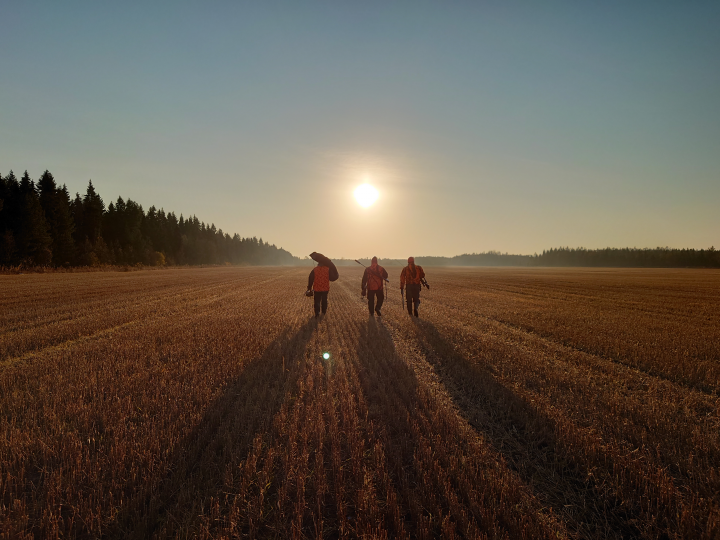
[413, 295]
[320, 297]
[371, 300]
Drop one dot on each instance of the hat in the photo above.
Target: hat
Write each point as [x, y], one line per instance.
[411, 260]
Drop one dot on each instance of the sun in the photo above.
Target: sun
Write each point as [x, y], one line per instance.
[366, 195]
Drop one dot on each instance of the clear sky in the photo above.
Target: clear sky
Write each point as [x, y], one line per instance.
[484, 125]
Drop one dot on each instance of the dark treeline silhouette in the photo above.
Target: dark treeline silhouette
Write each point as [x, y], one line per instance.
[630, 257]
[490, 258]
[608, 257]
[40, 225]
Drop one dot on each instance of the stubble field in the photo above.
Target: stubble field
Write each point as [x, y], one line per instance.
[521, 404]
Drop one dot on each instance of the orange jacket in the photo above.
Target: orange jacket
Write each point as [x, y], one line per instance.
[321, 281]
[411, 276]
[372, 278]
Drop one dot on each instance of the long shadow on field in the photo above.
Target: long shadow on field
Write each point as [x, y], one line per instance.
[389, 385]
[221, 440]
[527, 439]
[390, 390]
[434, 497]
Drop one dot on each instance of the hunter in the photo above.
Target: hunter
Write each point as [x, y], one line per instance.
[319, 281]
[412, 276]
[373, 281]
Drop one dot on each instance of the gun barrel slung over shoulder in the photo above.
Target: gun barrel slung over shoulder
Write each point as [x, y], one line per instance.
[371, 270]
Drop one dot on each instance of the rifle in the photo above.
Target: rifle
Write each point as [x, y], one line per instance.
[425, 283]
[372, 271]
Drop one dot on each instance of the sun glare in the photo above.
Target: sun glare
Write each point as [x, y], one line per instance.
[366, 195]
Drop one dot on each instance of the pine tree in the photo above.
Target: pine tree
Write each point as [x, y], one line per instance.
[11, 196]
[4, 192]
[76, 210]
[64, 249]
[34, 241]
[9, 215]
[93, 209]
[56, 206]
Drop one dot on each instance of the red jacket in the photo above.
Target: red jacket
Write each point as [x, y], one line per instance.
[319, 279]
[373, 278]
[411, 275]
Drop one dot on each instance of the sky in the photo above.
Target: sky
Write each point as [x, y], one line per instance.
[506, 126]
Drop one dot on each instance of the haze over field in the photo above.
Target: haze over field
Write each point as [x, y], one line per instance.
[483, 127]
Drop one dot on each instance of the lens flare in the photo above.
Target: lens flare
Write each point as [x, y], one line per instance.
[366, 195]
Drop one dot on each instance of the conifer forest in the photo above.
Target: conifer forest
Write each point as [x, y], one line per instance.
[41, 225]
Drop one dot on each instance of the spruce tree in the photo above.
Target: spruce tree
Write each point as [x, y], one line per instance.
[4, 249]
[55, 203]
[64, 245]
[34, 241]
[93, 209]
[9, 219]
[12, 198]
[76, 210]
[46, 190]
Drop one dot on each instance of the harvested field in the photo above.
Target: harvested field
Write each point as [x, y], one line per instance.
[574, 403]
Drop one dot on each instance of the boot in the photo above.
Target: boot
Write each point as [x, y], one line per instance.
[416, 313]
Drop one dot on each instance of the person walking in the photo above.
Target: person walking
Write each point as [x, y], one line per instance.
[412, 276]
[373, 281]
[319, 281]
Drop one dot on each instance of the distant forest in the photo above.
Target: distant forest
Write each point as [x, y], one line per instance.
[609, 257]
[630, 258]
[40, 225]
[564, 256]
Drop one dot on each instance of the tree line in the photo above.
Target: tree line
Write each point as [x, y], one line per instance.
[661, 257]
[565, 256]
[41, 225]
[630, 257]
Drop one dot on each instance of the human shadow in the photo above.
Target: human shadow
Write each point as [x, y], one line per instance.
[199, 462]
[388, 383]
[390, 388]
[527, 439]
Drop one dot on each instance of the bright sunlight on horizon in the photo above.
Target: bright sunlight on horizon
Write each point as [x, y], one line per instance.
[366, 195]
